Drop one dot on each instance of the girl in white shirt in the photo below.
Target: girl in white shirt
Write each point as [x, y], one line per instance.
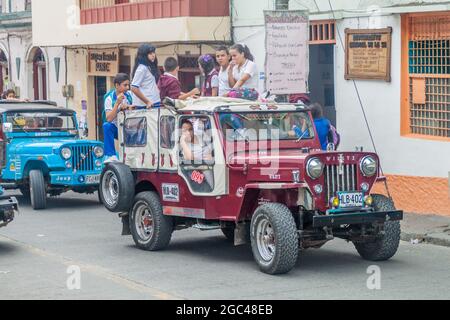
[145, 78]
[243, 72]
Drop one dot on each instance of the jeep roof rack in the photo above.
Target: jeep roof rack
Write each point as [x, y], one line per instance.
[220, 104]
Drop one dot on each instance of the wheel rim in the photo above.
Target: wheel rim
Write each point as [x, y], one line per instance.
[143, 220]
[110, 188]
[265, 240]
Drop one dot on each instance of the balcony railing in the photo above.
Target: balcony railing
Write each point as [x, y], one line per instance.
[105, 11]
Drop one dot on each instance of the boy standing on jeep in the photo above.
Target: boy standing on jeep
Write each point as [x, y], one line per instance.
[169, 85]
[116, 100]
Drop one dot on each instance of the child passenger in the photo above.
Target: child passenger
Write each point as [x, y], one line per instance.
[243, 72]
[117, 100]
[223, 59]
[170, 86]
[145, 78]
[207, 67]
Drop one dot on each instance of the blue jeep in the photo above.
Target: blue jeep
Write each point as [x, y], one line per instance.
[44, 154]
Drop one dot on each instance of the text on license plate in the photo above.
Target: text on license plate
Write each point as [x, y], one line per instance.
[93, 179]
[350, 199]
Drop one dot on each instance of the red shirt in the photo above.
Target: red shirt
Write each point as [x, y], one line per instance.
[169, 86]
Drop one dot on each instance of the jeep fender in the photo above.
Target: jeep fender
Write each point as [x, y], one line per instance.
[35, 165]
[260, 193]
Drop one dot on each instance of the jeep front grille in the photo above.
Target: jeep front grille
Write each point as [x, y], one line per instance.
[336, 181]
[83, 158]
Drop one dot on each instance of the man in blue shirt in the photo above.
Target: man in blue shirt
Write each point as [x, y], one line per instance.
[323, 125]
[116, 100]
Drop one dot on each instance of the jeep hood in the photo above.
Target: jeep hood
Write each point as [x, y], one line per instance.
[270, 166]
[38, 146]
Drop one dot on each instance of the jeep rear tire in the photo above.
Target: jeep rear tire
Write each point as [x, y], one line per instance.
[116, 188]
[38, 190]
[274, 239]
[150, 228]
[385, 247]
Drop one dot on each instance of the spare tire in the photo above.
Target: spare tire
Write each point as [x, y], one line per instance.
[117, 187]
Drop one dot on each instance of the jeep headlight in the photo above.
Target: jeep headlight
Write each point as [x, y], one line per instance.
[314, 168]
[369, 166]
[99, 151]
[66, 153]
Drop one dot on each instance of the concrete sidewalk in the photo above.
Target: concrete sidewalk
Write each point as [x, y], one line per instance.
[433, 229]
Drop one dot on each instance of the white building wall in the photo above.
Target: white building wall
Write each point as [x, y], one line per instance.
[381, 100]
[19, 44]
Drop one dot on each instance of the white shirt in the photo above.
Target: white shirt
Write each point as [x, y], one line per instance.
[224, 84]
[146, 82]
[250, 68]
[110, 107]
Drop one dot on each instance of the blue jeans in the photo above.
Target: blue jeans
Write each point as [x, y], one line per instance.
[110, 134]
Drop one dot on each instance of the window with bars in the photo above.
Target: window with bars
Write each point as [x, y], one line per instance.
[322, 32]
[427, 110]
[429, 56]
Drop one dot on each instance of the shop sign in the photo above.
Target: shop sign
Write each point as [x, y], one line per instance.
[368, 54]
[103, 62]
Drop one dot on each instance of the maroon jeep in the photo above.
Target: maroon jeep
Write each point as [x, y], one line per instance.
[256, 171]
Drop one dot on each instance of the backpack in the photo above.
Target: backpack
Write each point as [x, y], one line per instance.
[111, 92]
[334, 137]
[244, 93]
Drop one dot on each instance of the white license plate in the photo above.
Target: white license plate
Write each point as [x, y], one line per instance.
[350, 199]
[94, 179]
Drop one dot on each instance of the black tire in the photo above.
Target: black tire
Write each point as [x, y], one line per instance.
[286, 247]
[385, 247]
[38, 190]
[162, 230]
[116, 188]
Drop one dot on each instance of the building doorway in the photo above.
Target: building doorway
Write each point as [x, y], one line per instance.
[321, 78]
[100, 84]
[4, 72]
[322, 40]
[39, 75]
[189, 74]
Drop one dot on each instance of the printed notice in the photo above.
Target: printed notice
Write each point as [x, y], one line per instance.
[368, 54]
[287, 57]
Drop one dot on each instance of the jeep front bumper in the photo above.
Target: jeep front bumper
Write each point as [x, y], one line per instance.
[356, 218]
[79, 179]
[8, 208]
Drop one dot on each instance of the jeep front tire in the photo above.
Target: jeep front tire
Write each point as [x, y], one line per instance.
[150, 228]
[386, 246]
[274, 239]
[38, 190]
[116, 188]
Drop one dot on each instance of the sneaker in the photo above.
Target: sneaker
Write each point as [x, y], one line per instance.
[111, 159]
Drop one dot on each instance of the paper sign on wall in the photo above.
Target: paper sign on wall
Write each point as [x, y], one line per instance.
[287, 52]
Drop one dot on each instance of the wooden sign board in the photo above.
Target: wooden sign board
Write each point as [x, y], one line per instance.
[103, 62]
[368, 54]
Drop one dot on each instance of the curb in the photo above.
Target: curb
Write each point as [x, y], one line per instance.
[436, 238]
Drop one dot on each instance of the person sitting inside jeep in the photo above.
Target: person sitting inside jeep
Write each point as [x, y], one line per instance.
[196, 152]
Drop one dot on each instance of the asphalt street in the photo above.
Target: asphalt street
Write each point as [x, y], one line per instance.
[39, 248]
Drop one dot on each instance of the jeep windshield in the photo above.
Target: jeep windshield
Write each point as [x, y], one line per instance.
[32, 121]
[267, 126]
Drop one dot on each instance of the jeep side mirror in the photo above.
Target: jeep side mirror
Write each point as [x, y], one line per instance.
[7, 127]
